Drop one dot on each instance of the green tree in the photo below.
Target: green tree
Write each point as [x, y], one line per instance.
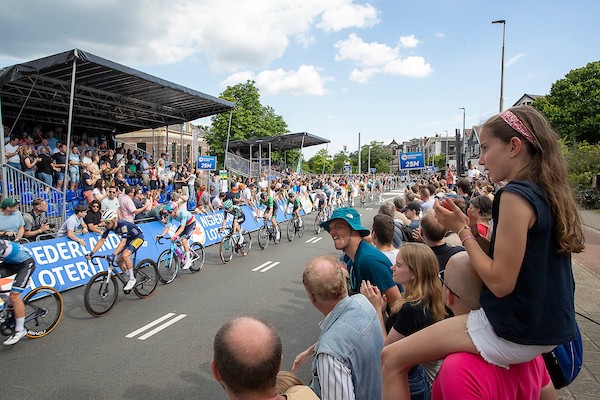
[573, 105]
[340, 159]
[381, 157]
[250, 119]
[316, 162]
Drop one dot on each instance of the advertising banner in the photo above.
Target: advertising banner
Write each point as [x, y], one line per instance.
[415, 160]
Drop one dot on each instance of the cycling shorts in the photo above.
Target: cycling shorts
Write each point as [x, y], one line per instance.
[188, 230]
[23, 270]
[134, 244]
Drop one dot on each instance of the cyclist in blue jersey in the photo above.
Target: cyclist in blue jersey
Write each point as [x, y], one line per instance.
[238, 219]
[16, 260]
[132, 239]
[187, 224]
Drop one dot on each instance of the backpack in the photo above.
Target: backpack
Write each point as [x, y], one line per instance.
[564, 362]
[402, 234]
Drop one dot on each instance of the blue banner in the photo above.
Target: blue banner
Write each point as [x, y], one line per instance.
[61, 262]
[207, 163]
[415, 160]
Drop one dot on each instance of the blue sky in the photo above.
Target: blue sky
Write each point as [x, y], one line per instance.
[390, 69]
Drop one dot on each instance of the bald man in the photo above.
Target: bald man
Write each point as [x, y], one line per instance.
[346, 357]
[467, 375]
[247, 358]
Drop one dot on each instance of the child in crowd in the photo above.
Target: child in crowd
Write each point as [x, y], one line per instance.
[528, 295]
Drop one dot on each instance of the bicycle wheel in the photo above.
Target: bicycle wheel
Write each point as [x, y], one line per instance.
[318, 223]
[146, 274]
[168, 266]
[226, 249]
[291, 230]
[263, 237]
[100, 294]
[247, 245]
[43, 309]
[300, 229]
[197, 252]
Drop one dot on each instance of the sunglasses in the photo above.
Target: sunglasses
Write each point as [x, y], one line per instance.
[95, 206]
[112, 191]
[441, 276]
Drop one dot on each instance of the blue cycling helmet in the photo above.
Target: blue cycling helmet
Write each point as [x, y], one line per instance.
[171, 206]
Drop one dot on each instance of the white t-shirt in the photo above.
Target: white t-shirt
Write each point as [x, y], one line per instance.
[391, 255]
[70, 224]
[108, 204]
[9, 148]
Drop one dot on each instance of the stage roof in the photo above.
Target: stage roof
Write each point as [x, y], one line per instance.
[289, 141]
[109, 97]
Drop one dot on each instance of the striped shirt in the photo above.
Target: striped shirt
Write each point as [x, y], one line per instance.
[335, 378]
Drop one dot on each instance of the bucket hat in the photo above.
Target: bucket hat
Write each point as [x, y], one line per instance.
[351, 216]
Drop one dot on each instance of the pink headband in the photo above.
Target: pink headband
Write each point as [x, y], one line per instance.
[514, 122]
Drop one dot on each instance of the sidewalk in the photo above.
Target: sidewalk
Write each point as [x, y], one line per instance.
[586, 269]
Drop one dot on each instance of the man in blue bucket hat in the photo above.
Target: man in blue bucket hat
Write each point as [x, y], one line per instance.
[364, 261]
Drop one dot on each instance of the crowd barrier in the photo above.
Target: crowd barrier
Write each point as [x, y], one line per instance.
[61, 262]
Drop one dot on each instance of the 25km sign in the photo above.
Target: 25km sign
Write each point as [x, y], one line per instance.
[207, 163]
[414, 160]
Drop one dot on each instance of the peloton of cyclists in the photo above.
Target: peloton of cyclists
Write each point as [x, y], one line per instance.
[132, 239]
[238, 219]
[16, 260]
[187, 224]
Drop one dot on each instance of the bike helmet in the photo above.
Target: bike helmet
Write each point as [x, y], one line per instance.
[291, 194]
[109, 215]
[228, 204]
[263, 195]
[171, 206]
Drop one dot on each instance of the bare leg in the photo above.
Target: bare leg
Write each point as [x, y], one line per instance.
[432, 343]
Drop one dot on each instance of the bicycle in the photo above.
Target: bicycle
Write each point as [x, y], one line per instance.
[363, 197]
[321, 217]
[43, 310]
[102, 289]
[266, 233]
[229, 244]
[173, 258]
[294, 228]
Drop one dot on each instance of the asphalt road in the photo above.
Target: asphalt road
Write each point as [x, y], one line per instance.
[105, 358]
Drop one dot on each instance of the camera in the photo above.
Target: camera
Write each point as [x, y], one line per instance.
[51, 225]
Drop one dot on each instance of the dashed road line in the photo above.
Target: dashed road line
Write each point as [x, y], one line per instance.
[266, 266]
[314, 239]
[158, 328]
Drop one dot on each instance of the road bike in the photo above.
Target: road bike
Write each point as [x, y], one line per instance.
[229, 244]
[363, 197]
[172, 259]
[320, 218]
[294, 228]
[43, 310]
[102, 289]
[266, 233]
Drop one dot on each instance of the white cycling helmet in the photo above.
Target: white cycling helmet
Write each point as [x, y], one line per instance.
[228, 204]
[109, 215]
[5, 248]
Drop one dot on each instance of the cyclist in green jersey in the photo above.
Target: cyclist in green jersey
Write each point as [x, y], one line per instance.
[297, 206]
[270, 210]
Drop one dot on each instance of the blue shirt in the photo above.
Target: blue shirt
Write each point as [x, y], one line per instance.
[15, 253]
[372, 265]
[184, 217]
[11, 222]
[127, 230]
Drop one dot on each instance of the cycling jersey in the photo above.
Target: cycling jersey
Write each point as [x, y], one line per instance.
[237, 212]
[269, 202]
[127, 230]
[297, 204]
[184, 217]
[16, 260]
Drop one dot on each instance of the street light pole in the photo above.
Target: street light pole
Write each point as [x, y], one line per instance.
[447, 151]
[369, 163]
[358, 153]
[503, 22]
[462, 145]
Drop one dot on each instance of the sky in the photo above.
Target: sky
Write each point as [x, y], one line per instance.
[389, 69]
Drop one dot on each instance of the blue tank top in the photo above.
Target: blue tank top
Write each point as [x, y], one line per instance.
[541, 309]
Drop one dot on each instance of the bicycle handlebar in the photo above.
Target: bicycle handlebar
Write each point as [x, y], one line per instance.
[160, 238]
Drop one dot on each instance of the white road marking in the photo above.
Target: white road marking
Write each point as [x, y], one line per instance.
[161, 327]
[270, 266]
[314, 240]
[153, 323]
[262, 265]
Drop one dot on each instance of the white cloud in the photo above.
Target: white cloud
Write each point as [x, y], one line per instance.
[380, 58]
[409, 41]
[232, 35]
[305, 81]
[440, 35]
[343, 14]
[514, 59]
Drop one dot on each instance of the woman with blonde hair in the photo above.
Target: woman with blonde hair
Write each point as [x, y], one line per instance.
[421, 305]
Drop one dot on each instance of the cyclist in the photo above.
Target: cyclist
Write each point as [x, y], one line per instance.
[297, 206]
[238, 219]
[132, 239]
[270, 211]
[322, 197]
[187, 224]
[17, 261]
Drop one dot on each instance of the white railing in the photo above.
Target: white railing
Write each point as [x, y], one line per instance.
[120, 143]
